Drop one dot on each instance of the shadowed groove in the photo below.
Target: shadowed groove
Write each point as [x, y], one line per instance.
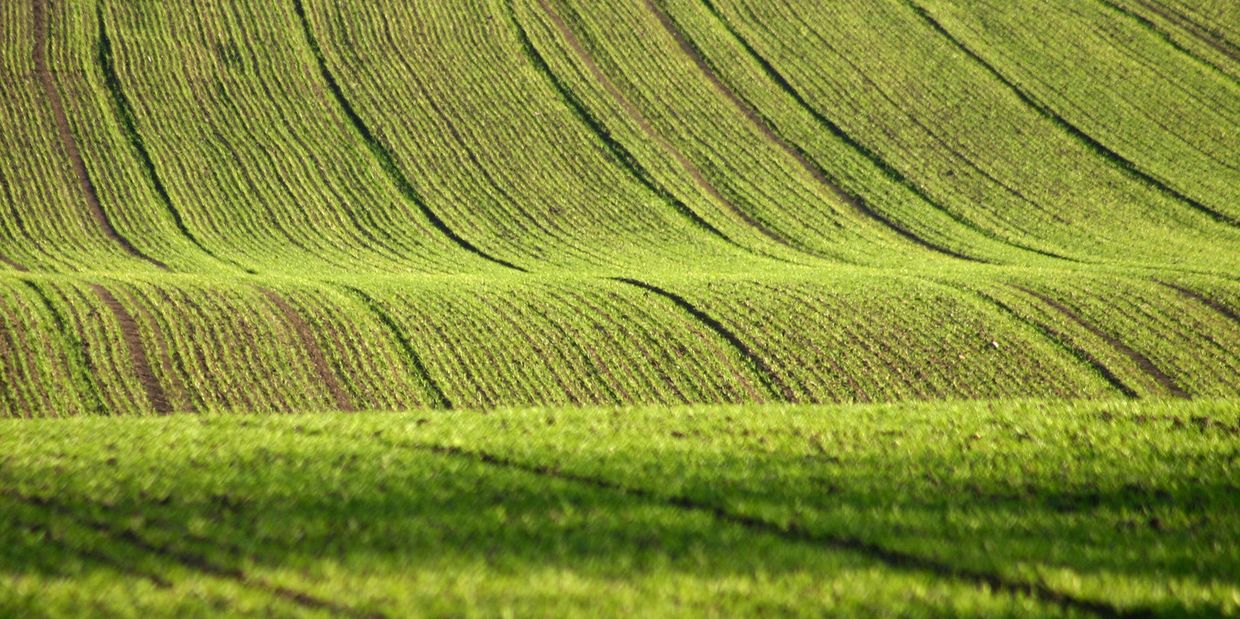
[155, 393]
[790, 531]
[1198, 31]
[438, 398]
[75, 352]
[1162, 35]
[67, 140]
[1141, 360]
[877, 161]
[618, 152]
[1116, 159]
[770, 380]
[124, 111]
[650, 132]
[1058, 339]
[766, 127]
[188, 559]
[311, 347]
[13, 264]
[382, 154]
[1218, 307]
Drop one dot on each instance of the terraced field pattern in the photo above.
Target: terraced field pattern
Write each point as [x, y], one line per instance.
[631, 308]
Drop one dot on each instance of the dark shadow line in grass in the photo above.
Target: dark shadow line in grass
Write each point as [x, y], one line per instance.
[155, 393]
[690, 49]
[124, 111]
[420, 371]
[75, 351]
[620, 154]
[381, 153]
[1119, 161]
[47, 535]
[1166, 37]
[190, 559]
[870, 155]
[1141, 360]
[68, 142]
[795, 532]
[773, 384]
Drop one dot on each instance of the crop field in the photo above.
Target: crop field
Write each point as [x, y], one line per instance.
[652, 307]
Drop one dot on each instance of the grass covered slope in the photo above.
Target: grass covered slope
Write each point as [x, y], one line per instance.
[1107, 508]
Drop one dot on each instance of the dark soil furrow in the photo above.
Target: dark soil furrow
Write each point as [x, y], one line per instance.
[137, 352]
[124, 111]
[438, 398]
[795, 532]
[1164, 36]
[1062, 341]
[311, 347]
[1118, 160]
[67, 141]
[1141, 360]
[191, 560]
[165, 358]
[695, 173]
[13, 264]
[1197, 30]
[870, 155]
[75, 353]
[816, 171]
[1223, 310]
[618, 152]
[381, 152]
[773, 383]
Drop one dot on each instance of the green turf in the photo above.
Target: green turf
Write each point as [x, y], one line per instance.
[982, 509]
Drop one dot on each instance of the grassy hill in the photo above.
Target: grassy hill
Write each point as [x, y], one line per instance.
[328, 206]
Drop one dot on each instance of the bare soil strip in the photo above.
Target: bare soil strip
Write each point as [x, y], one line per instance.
[191, 560]
[1118, 160]
[306, 335]
[438, 398]
[386, 159]
[1197, 30]
[795, 532]
[13, 264]
[165, 358]
[1141, 360]
[757, 120]
[1211, 303]
[137, 353]
[1061, 341]
[66, 137]
[124, 111]
[691, 168]
[770, 380]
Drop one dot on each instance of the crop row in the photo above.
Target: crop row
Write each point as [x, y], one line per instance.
[174, 343]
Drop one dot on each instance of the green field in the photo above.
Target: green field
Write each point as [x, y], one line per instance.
[657, 307]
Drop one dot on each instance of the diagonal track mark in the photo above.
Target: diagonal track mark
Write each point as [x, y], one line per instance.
[858, 204]
[1141, 360]
[1124, 164]
[137, 352]
[190, 559]
[773, 383]
[651, 133]
[621, 154]
[124, 111]
[882, 165]
[791, 531]
[312, 349]
[381, 153]
[67, 141]
[423, 375]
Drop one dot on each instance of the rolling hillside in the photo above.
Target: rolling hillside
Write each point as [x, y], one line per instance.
[691, 207]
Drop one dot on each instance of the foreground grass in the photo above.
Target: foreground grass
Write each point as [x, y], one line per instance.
[983, 509]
